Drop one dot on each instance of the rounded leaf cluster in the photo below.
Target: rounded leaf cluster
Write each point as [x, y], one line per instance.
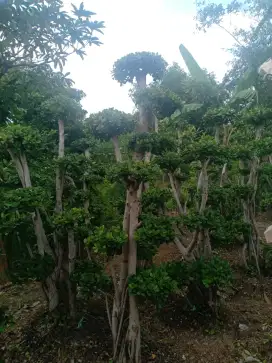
[90, 277]
[157, 283]
[154, 231]
[218, 116]
[37, 268]
[133, 173]
[23, 200]
[170, 161]
[63, 107]
[151, 142]
[161, 100]
[109, 123]
[152, 284]
[70, 218]
[107, 241]
[214, 272]
[23, 138]
[137, 65]
[258, 116]
[204, 149]
[264, 147]
[229, 231]
[155, 199]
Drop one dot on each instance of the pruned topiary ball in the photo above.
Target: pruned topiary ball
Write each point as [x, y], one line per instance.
[138, 65]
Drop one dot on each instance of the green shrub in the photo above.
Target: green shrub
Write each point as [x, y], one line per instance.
[214, 272]
[154, 200]
[107, 241]
[5, 319]
[156, 284]
[90, 277]
[37, 268]
[153, 284]
[154, 231]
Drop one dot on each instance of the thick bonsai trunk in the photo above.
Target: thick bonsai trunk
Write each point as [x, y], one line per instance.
[133, 346]
[22, 169]
[58, 286]
[252, 245]
[126, 337]
[175, 194]
[71, 287]
[204, 237]
[223, 177]
[143, 113]
[217, 134]
[120, 291]
[59, 171]
[203, 184]
[85, 189]
[117, 151]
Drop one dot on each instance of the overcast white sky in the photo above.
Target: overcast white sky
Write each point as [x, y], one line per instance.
[143, 25]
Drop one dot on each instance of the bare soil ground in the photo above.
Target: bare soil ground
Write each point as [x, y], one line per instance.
[242, 333]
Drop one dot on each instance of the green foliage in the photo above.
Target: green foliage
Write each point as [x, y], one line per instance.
[197, 221]
[107, 241]
[154, 231]
[110, 123]
[21, 138]
[5, 319]
[29, 94]
[218, 116]
[133, 173]
[160, 100]
[36, 268]
[179, 272]
[38, 33]
[151, 142]
[91, 278]
[169, 161]
[263, 147]
[137, 65]
[70, 218]
[213, 272]
[266, 201]
[152, 284]
[205, 149]
[64, 107]
[193, 67]
[23, 200]
[157, 283]
[154, 200]
[267, 258]
[258, 116]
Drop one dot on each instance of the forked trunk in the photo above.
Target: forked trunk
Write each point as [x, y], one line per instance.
[22, 169]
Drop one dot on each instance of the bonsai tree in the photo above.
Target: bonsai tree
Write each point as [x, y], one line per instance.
[138, 66]
[109, 124]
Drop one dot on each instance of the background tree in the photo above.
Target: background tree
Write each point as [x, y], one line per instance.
[42, 33]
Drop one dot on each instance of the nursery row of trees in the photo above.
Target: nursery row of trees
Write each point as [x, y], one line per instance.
[191, 166]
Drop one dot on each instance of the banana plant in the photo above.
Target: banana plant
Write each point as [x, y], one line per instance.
[244, 91]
